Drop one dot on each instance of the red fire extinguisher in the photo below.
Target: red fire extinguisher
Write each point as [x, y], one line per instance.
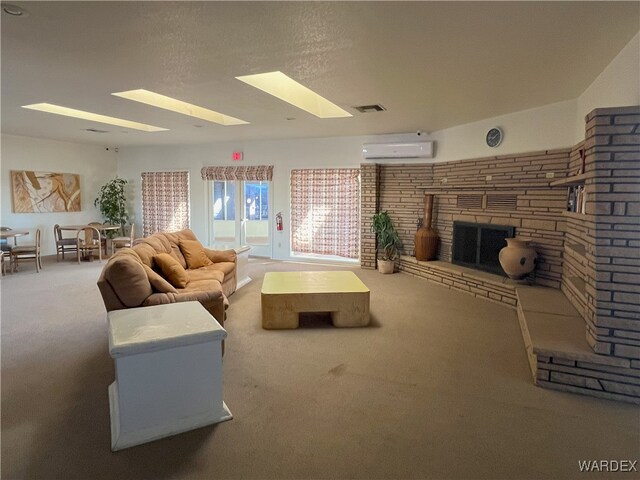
[279, 225]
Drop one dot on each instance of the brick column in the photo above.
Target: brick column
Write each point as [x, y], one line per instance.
[369, 178]
[613, 148]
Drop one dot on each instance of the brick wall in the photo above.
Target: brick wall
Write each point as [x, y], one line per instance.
[612, 143]
[369, 181]
[536, 212]
[402, 195]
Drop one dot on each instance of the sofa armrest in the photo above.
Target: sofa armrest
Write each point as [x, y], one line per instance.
[213, 301]
[217, 256]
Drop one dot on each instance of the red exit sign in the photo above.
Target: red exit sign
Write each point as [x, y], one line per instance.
[236, 156]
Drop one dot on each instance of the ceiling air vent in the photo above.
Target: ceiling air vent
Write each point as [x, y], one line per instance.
[370, 108]
[95, 130]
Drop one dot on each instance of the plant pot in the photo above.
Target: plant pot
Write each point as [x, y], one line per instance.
[517, 259]
[386, 266]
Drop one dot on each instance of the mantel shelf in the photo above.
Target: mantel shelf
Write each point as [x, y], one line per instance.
[574, 180]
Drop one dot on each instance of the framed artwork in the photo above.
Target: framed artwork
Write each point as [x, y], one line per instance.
[35, 192]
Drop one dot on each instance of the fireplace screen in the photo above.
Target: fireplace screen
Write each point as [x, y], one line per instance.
[477, 245]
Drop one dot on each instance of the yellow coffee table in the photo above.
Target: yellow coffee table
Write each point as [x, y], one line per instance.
[287, 294]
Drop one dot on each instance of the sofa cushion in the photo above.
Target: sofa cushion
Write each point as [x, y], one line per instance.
[172, 269]
[128, 280]
[218, 256]
[225, 267]
[158, 283]
[205, 274]
[204, 285]
[194, 254]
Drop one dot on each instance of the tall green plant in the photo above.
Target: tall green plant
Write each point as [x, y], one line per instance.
[111, 202]
[389, 242]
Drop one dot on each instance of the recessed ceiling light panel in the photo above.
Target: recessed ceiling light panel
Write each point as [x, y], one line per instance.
[285, 88]
[178, 106]
[93, 117]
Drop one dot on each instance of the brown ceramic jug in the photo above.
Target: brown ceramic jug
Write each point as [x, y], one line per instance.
[426, 239]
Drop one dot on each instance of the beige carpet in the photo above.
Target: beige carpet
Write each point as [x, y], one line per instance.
[437, 387]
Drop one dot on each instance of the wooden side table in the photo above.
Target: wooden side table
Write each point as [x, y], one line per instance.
[168, 362]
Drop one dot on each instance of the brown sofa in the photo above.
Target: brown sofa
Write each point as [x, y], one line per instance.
[133, 277]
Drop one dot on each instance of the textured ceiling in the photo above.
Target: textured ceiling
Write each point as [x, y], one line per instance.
[432, 65]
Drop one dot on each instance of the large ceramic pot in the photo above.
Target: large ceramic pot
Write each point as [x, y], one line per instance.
[426, 238]
[386, 266]
[517, 259]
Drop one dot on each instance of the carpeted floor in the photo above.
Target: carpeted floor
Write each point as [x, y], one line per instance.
[437, 387]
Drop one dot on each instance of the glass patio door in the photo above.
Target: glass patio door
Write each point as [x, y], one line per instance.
[241, 215]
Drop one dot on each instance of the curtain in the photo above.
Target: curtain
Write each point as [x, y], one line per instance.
[325, 211]
[251, 173]
[165, 202]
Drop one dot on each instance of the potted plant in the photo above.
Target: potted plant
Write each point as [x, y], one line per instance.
[111, 202]
[388, 242]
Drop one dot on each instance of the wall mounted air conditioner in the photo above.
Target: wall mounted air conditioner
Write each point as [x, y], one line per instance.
[398, 150]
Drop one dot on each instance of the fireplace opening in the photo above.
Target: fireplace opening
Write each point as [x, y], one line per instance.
[477, 245]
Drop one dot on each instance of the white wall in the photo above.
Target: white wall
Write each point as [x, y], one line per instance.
[617, 86]
[542, 128]
[94, 164]
[282, 154]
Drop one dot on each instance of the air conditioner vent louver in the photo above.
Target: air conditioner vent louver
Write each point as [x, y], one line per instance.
[95, 130]
[398, 150]
[370, 108]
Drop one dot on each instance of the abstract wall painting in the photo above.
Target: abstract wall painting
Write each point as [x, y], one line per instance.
[37, 192]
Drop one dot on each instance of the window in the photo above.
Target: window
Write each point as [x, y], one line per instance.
[325, 212]
[165, 202]
[257, 200]
[224, 200]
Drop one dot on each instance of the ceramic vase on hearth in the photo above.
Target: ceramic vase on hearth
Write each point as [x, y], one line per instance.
[426, 238]
[517, 259]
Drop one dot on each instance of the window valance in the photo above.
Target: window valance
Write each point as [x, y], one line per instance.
[252, 173]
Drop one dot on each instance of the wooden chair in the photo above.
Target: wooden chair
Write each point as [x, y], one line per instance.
[63, 244]
[123, 242]
[4, 243]
[103, 239]
[88, 240]
[26, 252]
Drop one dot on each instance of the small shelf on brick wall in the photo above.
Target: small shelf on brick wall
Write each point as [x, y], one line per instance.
[574, 180]
[579, 285]
[578, 215]
[577, 248]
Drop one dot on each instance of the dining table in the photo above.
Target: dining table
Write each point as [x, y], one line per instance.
[102, 227]
[5, 234]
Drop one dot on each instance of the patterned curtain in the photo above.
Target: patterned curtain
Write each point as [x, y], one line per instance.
[165, 202]
[251, 173]
[325, 211]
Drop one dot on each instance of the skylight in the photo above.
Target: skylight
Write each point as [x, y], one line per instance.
[178, 106]
[94, 117]
[285, 88]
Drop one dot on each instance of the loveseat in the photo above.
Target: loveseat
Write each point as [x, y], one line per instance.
[169, 268]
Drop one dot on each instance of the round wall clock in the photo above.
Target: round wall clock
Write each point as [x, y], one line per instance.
[494, 137]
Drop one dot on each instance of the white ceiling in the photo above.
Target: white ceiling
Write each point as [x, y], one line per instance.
[432, 65]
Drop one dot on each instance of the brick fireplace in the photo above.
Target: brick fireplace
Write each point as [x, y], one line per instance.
[593, 257]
